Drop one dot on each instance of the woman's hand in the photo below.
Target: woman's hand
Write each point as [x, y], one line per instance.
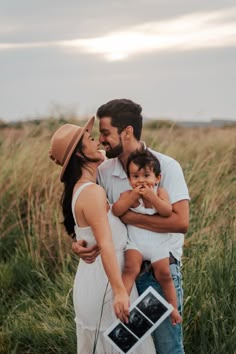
[121, 306]
[88, 254]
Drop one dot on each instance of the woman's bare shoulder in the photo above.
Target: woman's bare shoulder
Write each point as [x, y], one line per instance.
[94, 191]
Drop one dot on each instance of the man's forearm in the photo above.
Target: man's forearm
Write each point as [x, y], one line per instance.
[176, 223]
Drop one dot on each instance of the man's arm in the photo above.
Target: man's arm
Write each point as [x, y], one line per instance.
[177, 222]
[88, 254]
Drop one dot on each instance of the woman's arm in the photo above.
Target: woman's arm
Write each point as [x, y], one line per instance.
[95, 213]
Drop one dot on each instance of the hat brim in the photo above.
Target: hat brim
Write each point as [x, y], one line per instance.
[88, 127]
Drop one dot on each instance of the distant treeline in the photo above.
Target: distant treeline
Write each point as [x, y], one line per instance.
[53, 122]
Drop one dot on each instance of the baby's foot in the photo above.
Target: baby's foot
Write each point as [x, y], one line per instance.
[175, 317]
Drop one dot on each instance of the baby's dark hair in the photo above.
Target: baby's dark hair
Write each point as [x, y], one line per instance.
[142, 159]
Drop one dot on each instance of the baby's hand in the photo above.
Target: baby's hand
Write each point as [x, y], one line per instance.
[175, 317]
[147, 192]
[134, 194]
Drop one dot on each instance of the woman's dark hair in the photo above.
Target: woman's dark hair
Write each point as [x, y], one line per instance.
[123, 112]
[142, 159]
[71, 175]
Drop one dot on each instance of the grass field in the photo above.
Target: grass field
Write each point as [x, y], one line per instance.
[37, 266]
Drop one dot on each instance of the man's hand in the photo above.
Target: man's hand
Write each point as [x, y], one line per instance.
[88, 254]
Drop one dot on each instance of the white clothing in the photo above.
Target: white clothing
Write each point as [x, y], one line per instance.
[91, 287]
[142, 209]
[112, 177]
[152, 245]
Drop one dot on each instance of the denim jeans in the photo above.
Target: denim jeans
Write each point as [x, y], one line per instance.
[168, 339]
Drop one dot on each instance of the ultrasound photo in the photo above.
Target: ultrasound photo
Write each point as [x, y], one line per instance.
[122, 338]
[146, 314]
[152, 307]
[138, 324]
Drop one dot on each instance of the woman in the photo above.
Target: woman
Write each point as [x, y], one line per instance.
[88, 216]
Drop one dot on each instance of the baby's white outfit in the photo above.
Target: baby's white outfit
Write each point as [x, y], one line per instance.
[152, 245]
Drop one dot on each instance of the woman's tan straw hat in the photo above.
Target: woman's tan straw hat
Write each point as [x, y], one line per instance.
[64, 142]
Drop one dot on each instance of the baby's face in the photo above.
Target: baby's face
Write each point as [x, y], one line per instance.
[142, 177]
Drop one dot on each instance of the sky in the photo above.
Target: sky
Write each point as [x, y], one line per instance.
[176, 58]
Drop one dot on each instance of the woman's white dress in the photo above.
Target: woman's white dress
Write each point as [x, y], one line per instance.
[91, 287]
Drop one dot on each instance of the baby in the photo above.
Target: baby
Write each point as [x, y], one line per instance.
[146, 197]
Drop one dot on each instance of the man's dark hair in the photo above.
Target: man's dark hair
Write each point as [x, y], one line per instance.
[142, 159]
[123, 112]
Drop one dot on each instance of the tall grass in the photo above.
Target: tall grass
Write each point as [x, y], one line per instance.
[208, 157]
[37, 266]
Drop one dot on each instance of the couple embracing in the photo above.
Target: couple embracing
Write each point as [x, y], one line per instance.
[95, 190]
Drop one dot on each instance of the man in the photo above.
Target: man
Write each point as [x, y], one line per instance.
[120, 125]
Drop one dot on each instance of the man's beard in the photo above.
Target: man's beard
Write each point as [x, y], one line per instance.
[115, 151]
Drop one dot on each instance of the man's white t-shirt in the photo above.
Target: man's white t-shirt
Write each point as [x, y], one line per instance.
[112, 177]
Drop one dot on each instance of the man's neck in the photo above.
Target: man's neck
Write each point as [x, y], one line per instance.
[136, 145]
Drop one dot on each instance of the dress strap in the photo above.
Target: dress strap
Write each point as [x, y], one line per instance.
[76, 195]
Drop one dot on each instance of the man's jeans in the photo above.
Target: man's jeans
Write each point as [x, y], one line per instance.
[168, 339]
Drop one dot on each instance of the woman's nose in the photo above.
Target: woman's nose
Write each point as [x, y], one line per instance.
[101, 140]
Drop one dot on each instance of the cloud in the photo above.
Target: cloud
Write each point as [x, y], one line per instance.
[7, 28]
[28, 45]
[190, 32]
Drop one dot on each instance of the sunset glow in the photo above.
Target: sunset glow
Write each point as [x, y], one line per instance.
[189, 32]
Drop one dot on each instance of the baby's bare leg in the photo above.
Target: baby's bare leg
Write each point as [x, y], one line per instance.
[133, 261]
[162, 274]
